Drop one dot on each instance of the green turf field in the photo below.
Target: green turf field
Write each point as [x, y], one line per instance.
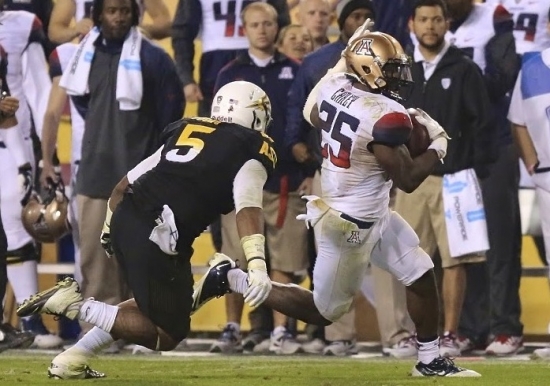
[254, 370]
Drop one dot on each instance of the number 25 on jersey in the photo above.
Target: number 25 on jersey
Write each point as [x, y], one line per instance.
[334, 122]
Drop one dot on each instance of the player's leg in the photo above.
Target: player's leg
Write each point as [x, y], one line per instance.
[22, 256]
[398, 252]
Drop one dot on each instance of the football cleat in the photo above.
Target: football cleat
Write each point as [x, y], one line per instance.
[63, 299]
[72, 364]
[441, 367]
[13, 338]
[214, 283]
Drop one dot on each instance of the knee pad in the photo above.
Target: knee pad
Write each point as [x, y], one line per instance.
[27, 252]
[331, 312]
[422, 264]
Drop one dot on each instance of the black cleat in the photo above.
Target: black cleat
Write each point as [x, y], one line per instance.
[13, 338]
[214, 283]
[441, 367]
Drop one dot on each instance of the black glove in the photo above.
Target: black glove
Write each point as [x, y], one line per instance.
[105, 240]
[25, 183]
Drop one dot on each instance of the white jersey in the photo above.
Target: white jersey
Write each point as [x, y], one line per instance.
[476, 31]
[530, 106]
[352, 180]
[16, 29]
[84, 9]
[221, 25]
[530, 23]
[65, 53]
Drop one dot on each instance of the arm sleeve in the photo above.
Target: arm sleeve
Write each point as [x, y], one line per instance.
[170, 102]
[479, 111]
[185, 29]
[297, 128]
[392, 129]
[248, 185]
[515, 113]
[36, 83]
[145, 165]
[503, 63]
[311, 100]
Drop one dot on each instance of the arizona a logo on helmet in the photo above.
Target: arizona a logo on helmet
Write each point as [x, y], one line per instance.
[363, 47]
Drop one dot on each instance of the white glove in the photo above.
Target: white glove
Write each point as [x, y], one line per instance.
[440, 146]
[434, 128]
[259, 283]
[365, 27]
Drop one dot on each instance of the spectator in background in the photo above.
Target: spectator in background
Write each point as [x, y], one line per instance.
[222, 37]
[484, 33]
[316, 16]
[295, 42]
[530, 117]
[127, 106]
[61, 31]
[393, 320]
[285, 235]
[23, 39]
[447, 87]
[531, 35]
[392, 18]
[41, 8]
[59, 60]
[13, 142]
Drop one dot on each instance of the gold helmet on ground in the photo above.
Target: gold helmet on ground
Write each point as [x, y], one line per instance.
[378, 60]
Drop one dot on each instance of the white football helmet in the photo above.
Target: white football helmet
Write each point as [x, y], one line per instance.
[242, 103]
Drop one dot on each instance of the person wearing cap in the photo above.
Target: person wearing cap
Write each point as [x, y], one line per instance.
[395, 325]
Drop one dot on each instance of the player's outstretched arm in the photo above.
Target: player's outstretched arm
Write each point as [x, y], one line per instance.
[248, 197]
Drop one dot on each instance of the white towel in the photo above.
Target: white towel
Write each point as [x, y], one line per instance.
[165, 234]
[129, 87]
[464, 213]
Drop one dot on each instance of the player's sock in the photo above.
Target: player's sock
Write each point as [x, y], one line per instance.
[236, 326]
[428, 349]
[93, 341]
[99, 314]
[238, 280]
[23, 279]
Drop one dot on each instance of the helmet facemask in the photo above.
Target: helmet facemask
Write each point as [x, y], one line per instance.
[378, 61]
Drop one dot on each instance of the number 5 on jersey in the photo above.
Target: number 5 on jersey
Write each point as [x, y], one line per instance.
[187, 141]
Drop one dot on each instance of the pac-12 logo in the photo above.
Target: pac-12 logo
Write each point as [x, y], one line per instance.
[363, 47]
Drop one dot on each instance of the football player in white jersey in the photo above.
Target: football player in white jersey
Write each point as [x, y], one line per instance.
[530, 117]
[61, 31]
[22, 38]
[530, 23]
[364, 132]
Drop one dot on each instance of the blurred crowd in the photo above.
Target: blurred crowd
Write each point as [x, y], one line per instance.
[494, 105]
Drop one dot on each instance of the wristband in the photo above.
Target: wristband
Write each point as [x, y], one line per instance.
[253, 246]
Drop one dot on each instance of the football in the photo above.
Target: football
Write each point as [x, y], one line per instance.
[419, 140]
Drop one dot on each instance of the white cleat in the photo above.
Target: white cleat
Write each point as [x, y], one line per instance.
[72, 364]
[63, 299]
[442, 367]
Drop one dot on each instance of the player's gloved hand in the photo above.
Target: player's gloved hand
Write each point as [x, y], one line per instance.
[105, 238]
[434, 128]
[25, 182]
[365, 27]
[259, 283]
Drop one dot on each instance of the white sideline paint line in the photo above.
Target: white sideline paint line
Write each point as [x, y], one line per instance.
[188, 354]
